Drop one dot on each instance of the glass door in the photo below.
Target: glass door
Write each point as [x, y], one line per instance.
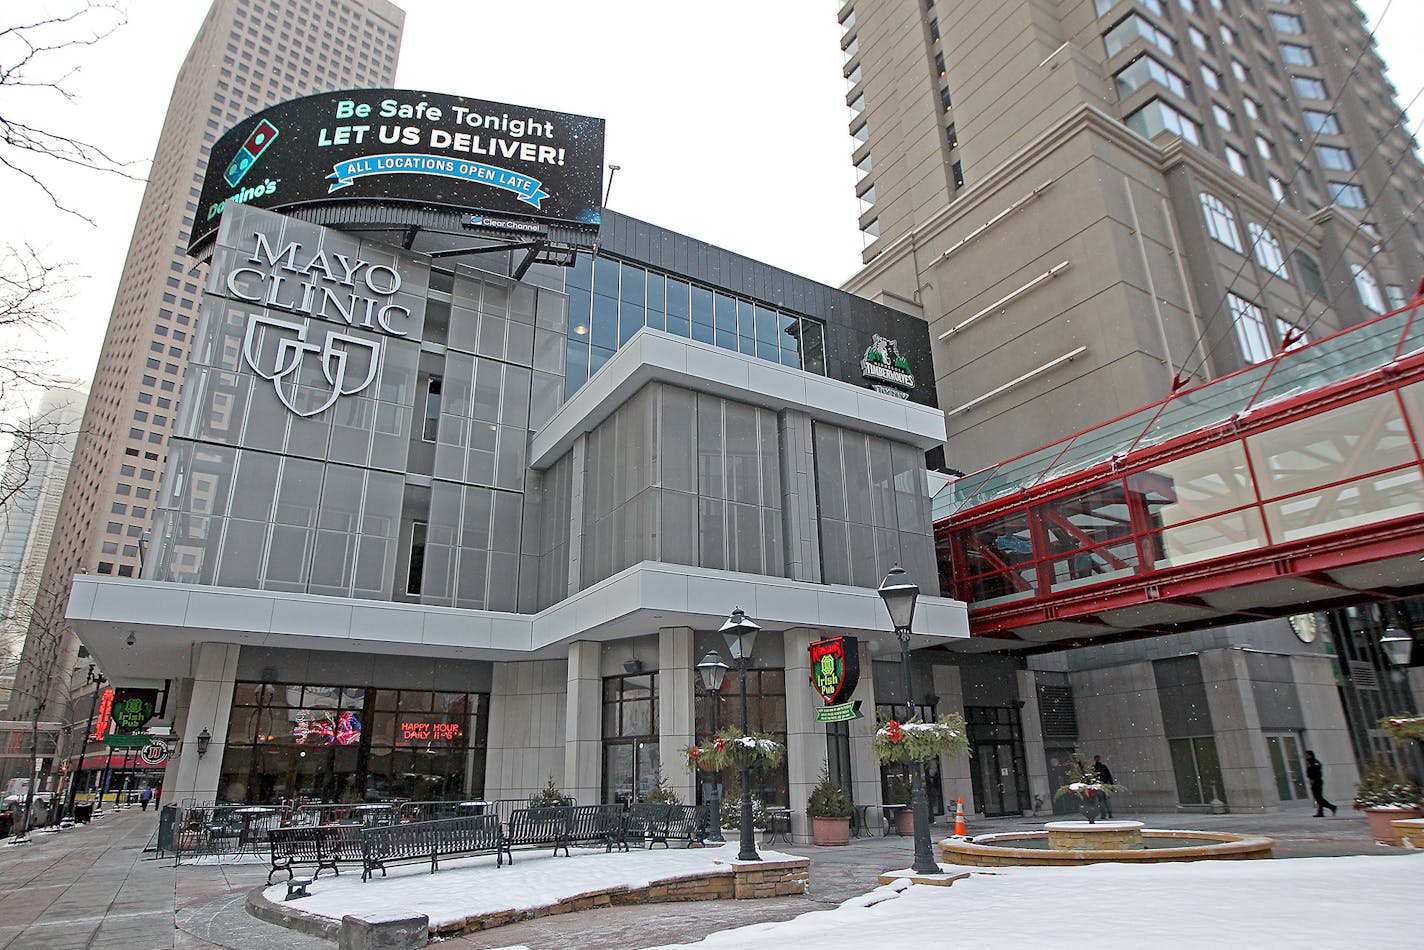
[1288, 766]
[630, 769]
[1000, 772]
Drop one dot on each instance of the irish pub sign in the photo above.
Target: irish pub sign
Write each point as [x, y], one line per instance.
[835, 671]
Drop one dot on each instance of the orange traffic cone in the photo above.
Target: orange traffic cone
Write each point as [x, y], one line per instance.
[959, 830]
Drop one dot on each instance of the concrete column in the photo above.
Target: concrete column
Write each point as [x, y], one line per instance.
[1326, 732]
[954, 772]
[1034, 756]
[583, 747]
[801, 538]
[864, 767]
[577, 481]
[805, 738]
[209, 707]
[677, 691]
[526, 729]
[1240, 746]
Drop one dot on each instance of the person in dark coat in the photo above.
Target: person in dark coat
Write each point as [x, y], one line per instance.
[144, 797]
[1104, 776]
[1316, 776]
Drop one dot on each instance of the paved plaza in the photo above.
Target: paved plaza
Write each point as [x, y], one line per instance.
[97, 886]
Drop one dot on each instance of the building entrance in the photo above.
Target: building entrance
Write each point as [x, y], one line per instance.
[999, 773]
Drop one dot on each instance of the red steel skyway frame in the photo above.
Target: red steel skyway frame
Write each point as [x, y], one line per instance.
[1294, 485]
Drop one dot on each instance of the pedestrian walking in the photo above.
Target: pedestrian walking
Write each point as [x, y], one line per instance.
[1104, 776]
[1316, 776]
[144, 797]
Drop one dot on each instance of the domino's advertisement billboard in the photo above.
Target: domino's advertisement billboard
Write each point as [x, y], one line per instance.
[401, 145]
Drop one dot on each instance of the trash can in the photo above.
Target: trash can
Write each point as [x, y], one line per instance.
[83, 811]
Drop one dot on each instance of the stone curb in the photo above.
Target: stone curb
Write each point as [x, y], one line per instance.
[313, 925]
[745, 881]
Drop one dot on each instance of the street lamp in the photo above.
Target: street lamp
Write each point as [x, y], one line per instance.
[899, 594]
[740, 634]
[1397, 645]
[714, 673]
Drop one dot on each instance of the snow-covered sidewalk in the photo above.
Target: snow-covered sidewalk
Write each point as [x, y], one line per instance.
[1345, 902]
[471, 887]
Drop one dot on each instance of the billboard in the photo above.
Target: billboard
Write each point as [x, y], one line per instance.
[406, 146]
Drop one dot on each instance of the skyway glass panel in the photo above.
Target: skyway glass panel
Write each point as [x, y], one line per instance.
[1333, 359]
[1015, 474]
[1100, 444]
[1204, 406]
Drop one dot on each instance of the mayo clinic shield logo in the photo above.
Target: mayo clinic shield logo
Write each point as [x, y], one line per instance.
[278, 350]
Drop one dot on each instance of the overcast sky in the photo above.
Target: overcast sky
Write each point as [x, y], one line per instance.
[728, 120]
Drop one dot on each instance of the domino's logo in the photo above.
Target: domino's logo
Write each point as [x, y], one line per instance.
[251, 150]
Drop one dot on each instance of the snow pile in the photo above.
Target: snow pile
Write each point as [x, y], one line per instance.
[469, 887]
[1311, 902]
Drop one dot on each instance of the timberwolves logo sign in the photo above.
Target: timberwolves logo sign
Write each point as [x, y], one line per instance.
[886, 369]
[311, 365]
[835, 671]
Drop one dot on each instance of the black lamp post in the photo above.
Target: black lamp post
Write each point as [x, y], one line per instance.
[1397, 645]
[714, 673]
[98, 680]
[900, 594]
[740, 634]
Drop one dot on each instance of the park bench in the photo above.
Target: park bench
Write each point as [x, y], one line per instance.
[325, 846]
[599, 824]
[656, 822]
[535, 827]
[430, 841]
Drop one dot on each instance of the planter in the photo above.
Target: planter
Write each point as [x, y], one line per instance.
[1380, 819]
[830, 832]
[905, 821]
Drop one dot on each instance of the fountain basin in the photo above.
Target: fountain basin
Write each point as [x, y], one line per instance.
[1157, 845]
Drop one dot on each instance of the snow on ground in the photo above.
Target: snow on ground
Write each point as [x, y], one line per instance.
[466, 887]
[1310, 902]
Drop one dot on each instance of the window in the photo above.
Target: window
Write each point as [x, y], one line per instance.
[1121, 36]
[1366, 287]
[415, 570]
[1252, 108]
[1146, 69]
[1157, 117]
[1348, 196]
[1278, 188]
[1264, 148]
[867, 199]
[1238, 70]
[1309, 88]
[1285, 23]
[1267, 249]
[1223, 117]
[1292, 336]
[1250, 326]
[1211, 77]
[1199, 39]
[432, 409]
[862, 168]
[1236, 161]
[1394, 294]
[1335, 158]
[1297, 55]
[1220, 222]
[1228, 35]
[1322, 123]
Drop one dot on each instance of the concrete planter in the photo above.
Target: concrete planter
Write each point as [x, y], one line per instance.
[1410, 831]
[1380, 819]
[830, 832]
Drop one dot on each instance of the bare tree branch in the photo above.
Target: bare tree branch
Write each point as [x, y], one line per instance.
[36, 59]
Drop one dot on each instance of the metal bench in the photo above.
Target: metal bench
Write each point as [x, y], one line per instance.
[430, 841]
[535, 827]
[599, 824]
[656, 822]
[325, 846]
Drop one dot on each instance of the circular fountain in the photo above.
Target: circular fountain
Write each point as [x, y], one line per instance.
[1084, 842]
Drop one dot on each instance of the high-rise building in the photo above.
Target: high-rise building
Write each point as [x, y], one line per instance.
[248, 54]
[34, 473]
[1089, 201]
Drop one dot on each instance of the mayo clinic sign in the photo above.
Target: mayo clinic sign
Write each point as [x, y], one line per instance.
[341, 290]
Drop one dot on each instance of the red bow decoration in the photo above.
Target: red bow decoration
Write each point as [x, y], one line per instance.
[893, 731]
[719, 744]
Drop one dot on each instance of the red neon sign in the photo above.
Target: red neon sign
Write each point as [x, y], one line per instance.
[103, 715]
[431, 731]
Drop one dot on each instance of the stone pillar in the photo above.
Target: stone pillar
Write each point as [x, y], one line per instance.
[1034, 755]
[577, 481]
[526, 728]
[864, 767]
[583, 745]
[209, 706]
[678, 684]
[805, 738]
[954, 772]
[1326, 732]
[801, 538]
[1240, 746]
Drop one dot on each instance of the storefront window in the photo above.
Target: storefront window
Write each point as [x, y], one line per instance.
[351, 744]
[630, 737]
[766, 712]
